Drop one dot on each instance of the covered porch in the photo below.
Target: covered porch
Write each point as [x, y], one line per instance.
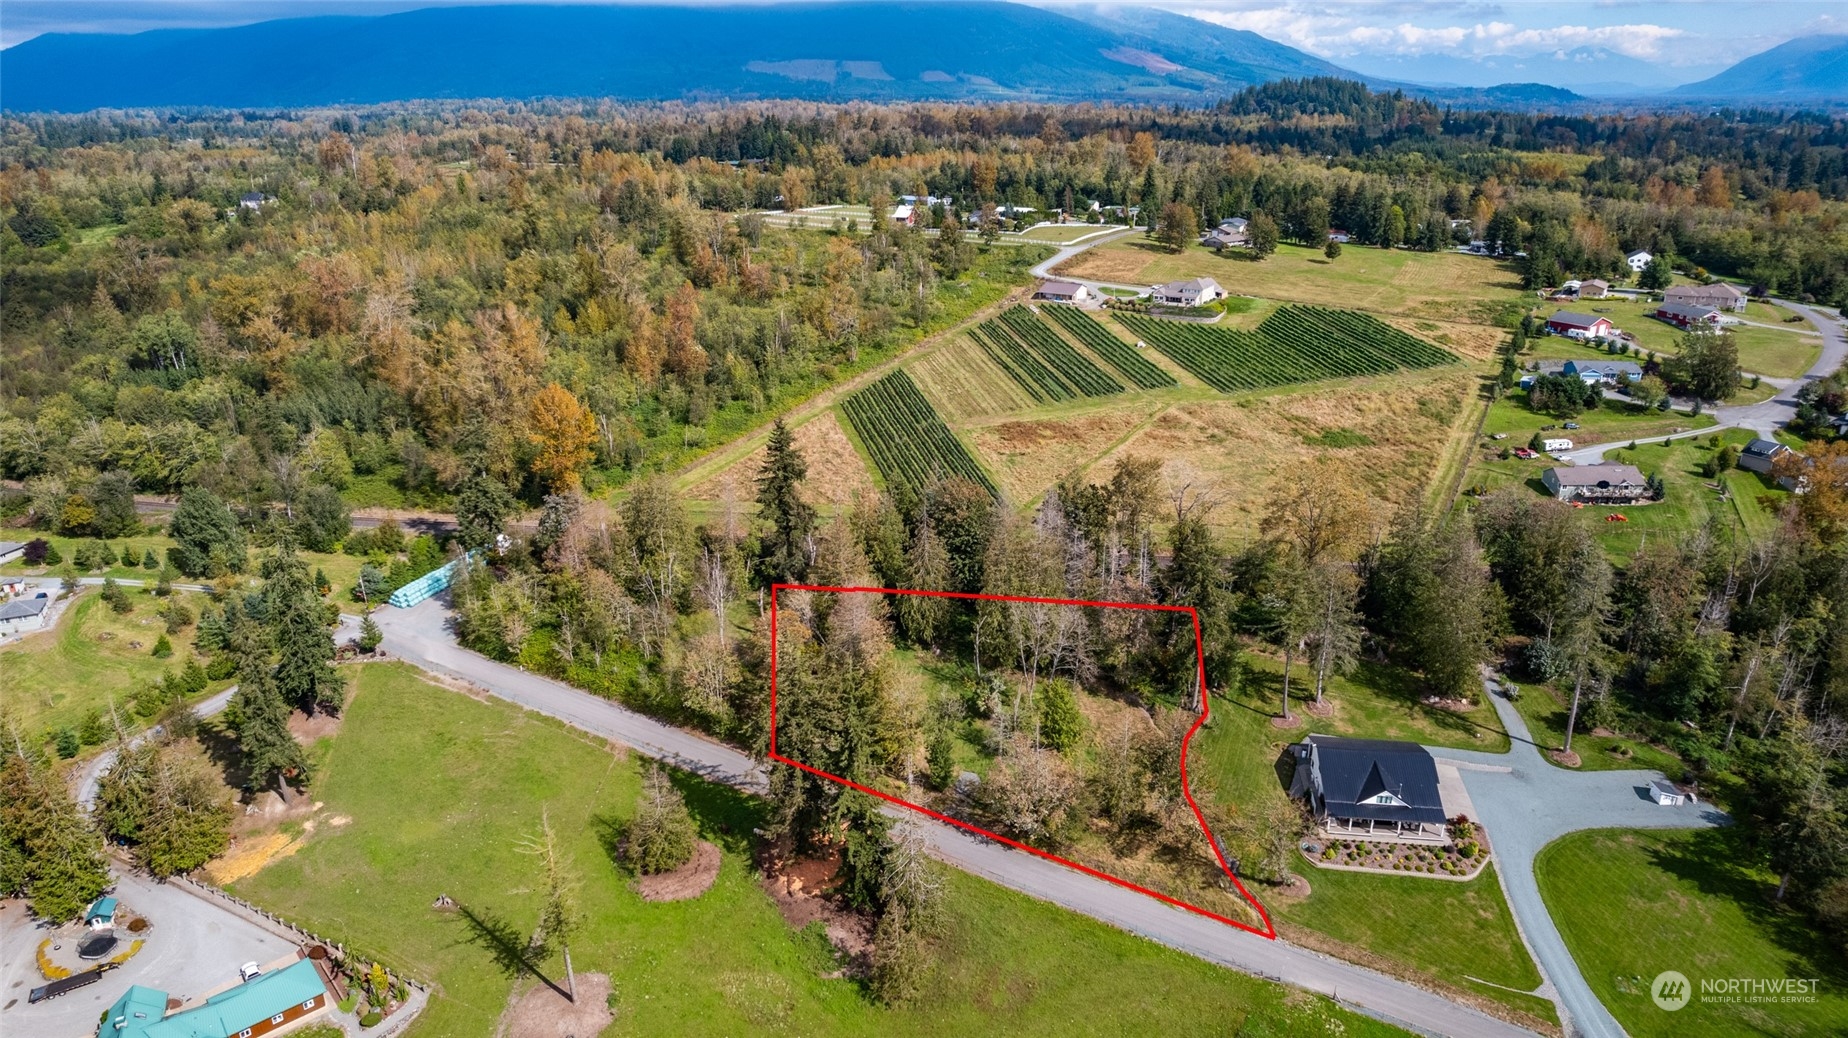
[1383, 831]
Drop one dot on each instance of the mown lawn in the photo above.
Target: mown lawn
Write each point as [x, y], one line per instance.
[437, 789]
[55, 678]
[1442, 286]
[1429, 927]
[1612, 421]
[1546, 709]
[1461, 934]
[1781, 352]
[1750, 506]
[1633, 904]
[342, 570]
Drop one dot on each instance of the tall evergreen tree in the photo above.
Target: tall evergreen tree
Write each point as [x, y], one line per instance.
[785, 552]
[305, 674]
[51, 854]
[208, 540]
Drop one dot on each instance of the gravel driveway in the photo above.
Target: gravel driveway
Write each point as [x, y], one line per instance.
[193, 946]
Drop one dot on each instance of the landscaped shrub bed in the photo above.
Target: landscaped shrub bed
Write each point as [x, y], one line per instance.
[1462, 859]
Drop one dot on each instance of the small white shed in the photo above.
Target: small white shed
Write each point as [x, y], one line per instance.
[1665, 794]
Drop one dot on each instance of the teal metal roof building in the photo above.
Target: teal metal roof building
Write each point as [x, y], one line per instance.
[256, 1007]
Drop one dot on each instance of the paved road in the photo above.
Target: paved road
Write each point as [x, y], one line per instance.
[1767, 416]
[194, 945]
[1526, 802]
[1045, 268]
[421, 636]
[92, 771]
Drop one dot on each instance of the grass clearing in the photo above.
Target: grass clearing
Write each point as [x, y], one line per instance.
[57, 677]
[1458, 934]
[1443, 286]
[1433, 930]
[1780, 352]
[1738, 499]
[1246, 446]
[1614, 420]
[836, 473]
[415, 767]
[342, 570]
[1545, 709]
[1633, 904]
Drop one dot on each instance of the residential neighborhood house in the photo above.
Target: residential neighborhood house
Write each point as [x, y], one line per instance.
[1608, 484]
[1591, 372]
[1064, 292]
[1580, 326]
[1684, 315]
[1192, 292]
[263, 1005]
[24, 614]
[1638, 260]
[1370, 789]
[1760, 455]
[905, 214]
[10, 550]
[1717, 296]
[1229, 233]
[1594, 289]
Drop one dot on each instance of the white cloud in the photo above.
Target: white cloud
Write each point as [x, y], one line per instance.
[1479, 30]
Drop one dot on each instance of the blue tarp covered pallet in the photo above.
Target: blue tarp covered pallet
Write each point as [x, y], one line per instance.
[431, 583]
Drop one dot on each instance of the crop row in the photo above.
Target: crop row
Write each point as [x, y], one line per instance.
[1072, 366]
[1294, 344]
[1355, 331]
[1105, 344]
[908, 441]
[1020, 363]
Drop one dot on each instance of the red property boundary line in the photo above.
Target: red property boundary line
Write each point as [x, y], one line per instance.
[1269, 931]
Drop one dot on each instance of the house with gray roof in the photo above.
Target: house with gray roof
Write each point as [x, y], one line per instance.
[1761, 454]
[1192, 292]
[1606, 484]
[1370, 789]
[24, 614]
[1719, 296]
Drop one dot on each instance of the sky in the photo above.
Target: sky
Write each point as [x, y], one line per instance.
[1580, 44]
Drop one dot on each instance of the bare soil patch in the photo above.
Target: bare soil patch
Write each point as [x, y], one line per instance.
[803, 889]
[248, 855]
[836, 472]
[1326, 708]
[1564, 758]
[1292, 721]
[686, 882]
[543, 1013]
[308, 730]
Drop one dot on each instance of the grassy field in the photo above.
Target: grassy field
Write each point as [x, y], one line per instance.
[1062, 233]
[1633, 904]
[54, 678]
[1545, 709]
[1425, 927]
[342, 570]
[1439, 286]
[416, 767]
[1777, 352]
[1749, 505]
[1459, 934]
[1613, 421]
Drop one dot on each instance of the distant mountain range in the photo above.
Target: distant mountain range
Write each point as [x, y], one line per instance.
[1811, 68]
[967, 50]
[839, 51]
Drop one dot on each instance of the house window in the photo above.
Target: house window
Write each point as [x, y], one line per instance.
[308, 1004]
[245, 1033]
[277, 1018]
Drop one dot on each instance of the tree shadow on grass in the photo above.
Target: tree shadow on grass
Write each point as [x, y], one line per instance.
[1710, 859]
[503, 943]
[724, 815]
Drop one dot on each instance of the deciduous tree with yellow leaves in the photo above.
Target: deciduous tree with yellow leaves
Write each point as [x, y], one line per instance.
[563, 430]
